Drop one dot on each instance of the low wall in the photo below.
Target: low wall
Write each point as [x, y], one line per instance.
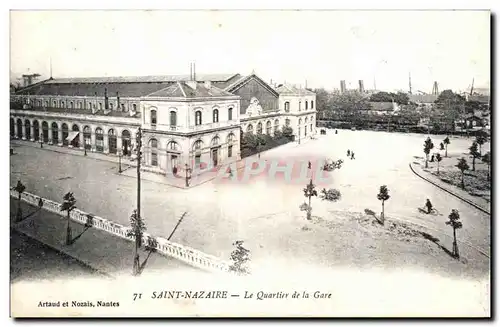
[180, 252]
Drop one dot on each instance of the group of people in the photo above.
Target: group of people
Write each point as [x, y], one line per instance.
[350, 154]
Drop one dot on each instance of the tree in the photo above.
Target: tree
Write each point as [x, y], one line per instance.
[69, 203]
[428, 146]
[240, 256]
[287, 132]
[19, 189]
[309, 192]
[454, 222]
[383, 195]
[473, 151]
[487, 160]
[446, 141]
[438, 159]
[462, 166]
[137, 229]
[480, 140]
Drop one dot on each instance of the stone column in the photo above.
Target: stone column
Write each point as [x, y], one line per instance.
[15, 129]
[60, 136]
[50, 134]
[92, 141]
[82, 140]
[106, 143]
[24, 130]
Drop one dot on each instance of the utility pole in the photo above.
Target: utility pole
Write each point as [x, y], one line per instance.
[139, 146]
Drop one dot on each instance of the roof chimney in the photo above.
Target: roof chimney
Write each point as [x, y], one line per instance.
[192, 78]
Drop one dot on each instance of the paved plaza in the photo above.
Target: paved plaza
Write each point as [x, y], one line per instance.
[265, 214]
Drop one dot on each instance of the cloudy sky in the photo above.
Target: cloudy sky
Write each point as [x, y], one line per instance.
[322, 47]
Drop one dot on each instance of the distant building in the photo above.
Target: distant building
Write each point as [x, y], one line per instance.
[424, 99]
[343, 88]
[382, 108]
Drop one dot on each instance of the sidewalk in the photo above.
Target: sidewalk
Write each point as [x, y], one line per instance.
[475, 201]
[97, 249]
[75, 152]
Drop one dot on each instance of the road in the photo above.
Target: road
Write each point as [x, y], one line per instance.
[219, 214]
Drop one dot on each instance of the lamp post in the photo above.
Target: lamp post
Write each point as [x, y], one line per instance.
[139, 147]
[188, 174]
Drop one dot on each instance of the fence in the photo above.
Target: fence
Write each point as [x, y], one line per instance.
[183, 253]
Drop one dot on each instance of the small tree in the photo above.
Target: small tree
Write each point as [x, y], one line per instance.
[454, 222]
[463, 166]
[473, 151]
[446, 142]
[69, 203]
[309, 192]
[137, 229]
[19, 189]
[331, 195]
[480, 140]
[428, 146]
[383, 195]
[240, 256]
[441, 146]
[487, 160]
[438, 159]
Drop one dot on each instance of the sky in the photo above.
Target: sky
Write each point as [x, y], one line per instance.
[320, 47]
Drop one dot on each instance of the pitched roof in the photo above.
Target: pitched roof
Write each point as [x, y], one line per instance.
[289, 89]
[142, 79]
[183, 90]
[240, 82]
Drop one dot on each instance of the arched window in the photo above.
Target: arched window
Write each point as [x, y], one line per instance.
[89, 104]
[197, 118]
[230, 141]
[46, 104]
[300, 121]
[300, 105]
[45, 131]
[71, 104]
[80, 105]
[276, 125]
[153, 144]
[173, 118]
[134, 107]
[312, 104]
[305, 121]
[198, 145]
[153, 118]
[86, 137]
[306, 104]
[63, 105]
[99, 139]
[54, 103]
[259, 128]
[215, 115]
[27, 127]
[111, 106]
[100, 105]
[268, 127]
[287, 122]
[250, 128]
[230, 114]
[122, 106]
[112, 145]
[65, 133]
[55, 133]
[287, 106]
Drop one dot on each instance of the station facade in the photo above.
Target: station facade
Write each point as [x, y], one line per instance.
[186, 121]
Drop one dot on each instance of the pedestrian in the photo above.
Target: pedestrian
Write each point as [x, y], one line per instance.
[40, 202]
[428, 204]
[432, 158]
[336, 131]
[352, 155]
[309, 165]
[348, 153]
